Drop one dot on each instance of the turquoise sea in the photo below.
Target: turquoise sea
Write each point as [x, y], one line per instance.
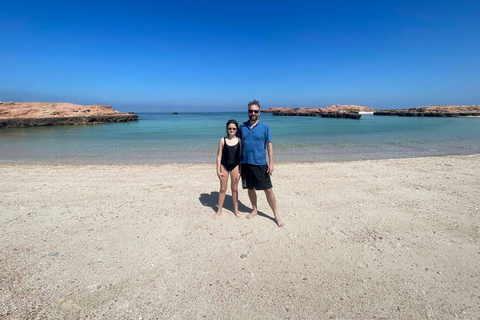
[159, 138]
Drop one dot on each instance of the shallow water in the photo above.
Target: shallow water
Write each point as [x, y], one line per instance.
[193, 138]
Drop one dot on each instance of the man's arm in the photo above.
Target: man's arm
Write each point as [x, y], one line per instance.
[270, 157]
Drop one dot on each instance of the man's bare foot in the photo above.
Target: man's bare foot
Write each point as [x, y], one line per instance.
[280, 223]
[215, 216]
[252, 214]
[238, 214]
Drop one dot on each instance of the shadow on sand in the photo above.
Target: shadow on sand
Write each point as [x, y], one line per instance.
[211, 200]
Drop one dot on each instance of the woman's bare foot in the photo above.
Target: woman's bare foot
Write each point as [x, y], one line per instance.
[238, 214]
[215, 216]
[252, 214]
[280, 223]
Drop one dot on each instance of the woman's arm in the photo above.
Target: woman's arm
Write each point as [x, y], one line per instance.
[219, 158]
[239, 165]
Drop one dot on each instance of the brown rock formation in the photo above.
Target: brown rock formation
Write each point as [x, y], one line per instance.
[296, 111]
[28, 114]
[336, 111]
[433, 111]
[347, 107]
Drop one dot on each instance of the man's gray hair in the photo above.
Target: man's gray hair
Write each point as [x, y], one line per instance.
[254, 103]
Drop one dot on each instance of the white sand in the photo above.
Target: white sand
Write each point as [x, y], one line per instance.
[395, 239]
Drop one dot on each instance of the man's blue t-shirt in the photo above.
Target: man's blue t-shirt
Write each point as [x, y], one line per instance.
[254, 141]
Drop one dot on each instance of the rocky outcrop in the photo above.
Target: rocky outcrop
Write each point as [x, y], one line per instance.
[433, 111]
[304, 112]
[35, 122]
[31, 114]
[295, 111]
[334, 111]
[348, 108]
[342, 115]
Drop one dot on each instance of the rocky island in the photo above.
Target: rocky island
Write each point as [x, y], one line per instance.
[32, 114]
[433, 111]
[333, 111]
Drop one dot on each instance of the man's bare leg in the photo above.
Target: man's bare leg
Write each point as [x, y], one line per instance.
[253, 199]
[273, 204]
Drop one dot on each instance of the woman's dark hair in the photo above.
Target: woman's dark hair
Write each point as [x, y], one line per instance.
[236, 125]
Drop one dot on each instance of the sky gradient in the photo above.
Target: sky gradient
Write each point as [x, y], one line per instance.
[162, 56]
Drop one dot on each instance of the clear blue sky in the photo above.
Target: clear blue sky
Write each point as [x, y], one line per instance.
[218, 55]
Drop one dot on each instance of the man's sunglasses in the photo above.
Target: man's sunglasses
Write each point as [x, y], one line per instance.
[253, 111]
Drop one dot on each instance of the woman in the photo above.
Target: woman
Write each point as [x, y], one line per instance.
[228, 159]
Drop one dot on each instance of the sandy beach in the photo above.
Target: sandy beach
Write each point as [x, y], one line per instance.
[392, 239]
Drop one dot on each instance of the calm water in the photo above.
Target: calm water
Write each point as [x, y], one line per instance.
[193, 138]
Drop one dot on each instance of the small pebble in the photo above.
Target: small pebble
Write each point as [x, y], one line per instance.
[243, 256]
[53, 254]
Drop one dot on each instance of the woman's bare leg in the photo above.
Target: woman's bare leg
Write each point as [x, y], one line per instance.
[222, 192]
[234, 187]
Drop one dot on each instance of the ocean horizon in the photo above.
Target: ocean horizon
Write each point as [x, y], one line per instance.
[162, 138]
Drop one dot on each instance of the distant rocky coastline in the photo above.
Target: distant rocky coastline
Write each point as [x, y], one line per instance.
[32, 114]
[355, 111]
[333, 111]
[433, 111]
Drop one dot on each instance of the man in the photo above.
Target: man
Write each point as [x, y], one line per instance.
[256, 140]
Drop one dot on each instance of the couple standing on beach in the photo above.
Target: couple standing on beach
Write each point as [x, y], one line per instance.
[242, 153]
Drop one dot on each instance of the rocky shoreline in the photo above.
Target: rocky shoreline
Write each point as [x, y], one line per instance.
[433, 111]
[294, 112]
[33, 114]
[334, 111]
[354, 111]
[36, 122]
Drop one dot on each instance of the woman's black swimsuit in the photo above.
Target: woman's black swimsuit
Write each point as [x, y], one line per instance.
[230, 155]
